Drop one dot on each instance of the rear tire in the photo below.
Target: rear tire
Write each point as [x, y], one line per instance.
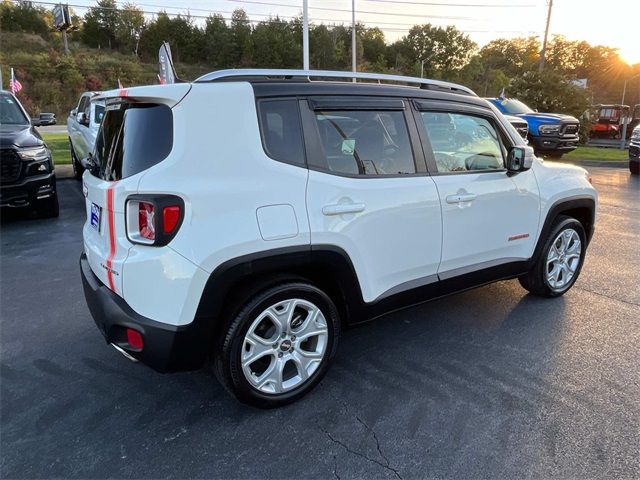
[560, 261]
[48, 207]
[554, 155]
[279, 345]
[634, 168]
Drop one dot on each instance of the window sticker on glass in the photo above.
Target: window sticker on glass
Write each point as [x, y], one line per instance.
[348, 146]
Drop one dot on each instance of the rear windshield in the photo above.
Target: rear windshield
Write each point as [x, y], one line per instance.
[132, 138]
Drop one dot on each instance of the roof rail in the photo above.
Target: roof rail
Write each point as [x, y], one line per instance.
[245, 73]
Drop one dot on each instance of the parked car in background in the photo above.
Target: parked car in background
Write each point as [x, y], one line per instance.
[550, 134]
[245, 218]
[82, 125]
[44, 119]
[634, 151]
[27, 176]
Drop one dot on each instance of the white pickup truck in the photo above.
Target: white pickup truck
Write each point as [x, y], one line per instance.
[83, 124]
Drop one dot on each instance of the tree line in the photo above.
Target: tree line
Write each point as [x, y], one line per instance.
[214, 42]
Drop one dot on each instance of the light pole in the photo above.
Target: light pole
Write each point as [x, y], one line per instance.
[305, 34]
[354, 64]
[625, 119]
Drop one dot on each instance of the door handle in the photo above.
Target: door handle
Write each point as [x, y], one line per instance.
[342, 208]
[461, 198]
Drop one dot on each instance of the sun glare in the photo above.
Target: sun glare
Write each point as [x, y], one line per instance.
[630, 54]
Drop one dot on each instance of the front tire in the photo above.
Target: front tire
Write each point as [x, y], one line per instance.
[634, 168]
[279, 345]
[560, 261]
[78, 169]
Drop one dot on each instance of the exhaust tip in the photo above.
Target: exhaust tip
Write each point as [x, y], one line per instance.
[124, 352]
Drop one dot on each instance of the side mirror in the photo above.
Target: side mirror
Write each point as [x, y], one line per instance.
[89, 163]
[82, 118]
[73, 112]
[519, 159]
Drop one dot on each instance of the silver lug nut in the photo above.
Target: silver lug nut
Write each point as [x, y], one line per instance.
[293, 337]
[279, 354]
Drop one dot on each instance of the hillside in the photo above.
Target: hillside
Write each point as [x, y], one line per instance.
[52, 82]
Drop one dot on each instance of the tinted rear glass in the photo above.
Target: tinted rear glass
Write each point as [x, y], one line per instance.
[282, 131]
[132, 138]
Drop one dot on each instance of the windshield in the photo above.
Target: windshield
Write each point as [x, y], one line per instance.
[10, 111]
[515, 107]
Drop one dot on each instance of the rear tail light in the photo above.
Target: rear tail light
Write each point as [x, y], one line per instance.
[153, 219]
[170, 218]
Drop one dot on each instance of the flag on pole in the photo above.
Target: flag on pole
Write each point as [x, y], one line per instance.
[503, 95]
[120, 84]
[14, 84]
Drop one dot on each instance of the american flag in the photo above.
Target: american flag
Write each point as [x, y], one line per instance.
[14, 84]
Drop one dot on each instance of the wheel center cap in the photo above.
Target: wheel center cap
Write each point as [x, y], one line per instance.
[285, 345]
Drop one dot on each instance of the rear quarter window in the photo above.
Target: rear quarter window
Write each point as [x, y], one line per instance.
[281, 130]
[133, 138]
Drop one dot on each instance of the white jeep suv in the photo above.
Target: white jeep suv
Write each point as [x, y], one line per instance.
[242, 220]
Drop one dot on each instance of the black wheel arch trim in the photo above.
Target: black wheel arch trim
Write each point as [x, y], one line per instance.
[564, 206]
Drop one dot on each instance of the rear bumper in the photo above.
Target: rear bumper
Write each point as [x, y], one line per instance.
[28, 191]
[555, 144]
[167, 348]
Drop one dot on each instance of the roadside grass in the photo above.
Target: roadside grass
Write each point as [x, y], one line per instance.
[59, 145]
[597, 153]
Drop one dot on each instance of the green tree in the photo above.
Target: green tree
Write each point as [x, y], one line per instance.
[443, 50]
[275, 44]
[100, 25]
[511, 56]
[373, 44]
[23, 17]
[216, 42]
[550, 91]
[129, 27]
[240, 48]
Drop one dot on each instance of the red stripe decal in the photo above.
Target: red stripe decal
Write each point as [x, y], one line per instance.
[112, 236]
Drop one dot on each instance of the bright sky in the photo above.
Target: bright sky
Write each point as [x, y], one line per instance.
[600, 22]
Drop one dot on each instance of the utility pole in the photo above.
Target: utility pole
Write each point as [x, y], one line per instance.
[65, 42]
[305, 34]
[546, 34]
[625, 119]
[354, 64]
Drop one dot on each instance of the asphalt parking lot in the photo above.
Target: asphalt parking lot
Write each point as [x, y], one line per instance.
[491, 383]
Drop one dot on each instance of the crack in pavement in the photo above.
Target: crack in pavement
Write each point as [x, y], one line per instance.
[606, 296]
[386, 464]
[335, 467]
[358, 454]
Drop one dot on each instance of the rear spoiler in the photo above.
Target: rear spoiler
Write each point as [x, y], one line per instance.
[169, 95]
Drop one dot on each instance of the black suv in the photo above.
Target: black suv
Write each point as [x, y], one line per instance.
[27, 177]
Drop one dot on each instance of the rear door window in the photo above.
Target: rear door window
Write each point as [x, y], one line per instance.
[133, 138]
[363, 142]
